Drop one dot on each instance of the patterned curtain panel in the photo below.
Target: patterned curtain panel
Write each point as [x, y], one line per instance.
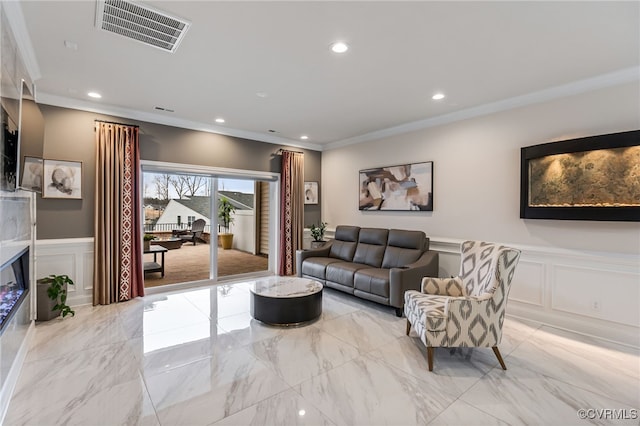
[117, 257]
[291, 210]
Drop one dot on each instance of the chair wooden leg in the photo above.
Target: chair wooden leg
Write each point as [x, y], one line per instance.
[408, 326]
[430, 357]
[500, 360]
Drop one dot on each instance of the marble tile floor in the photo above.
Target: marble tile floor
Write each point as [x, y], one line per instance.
[197, 358]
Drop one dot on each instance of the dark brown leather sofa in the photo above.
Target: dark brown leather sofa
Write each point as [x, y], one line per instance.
[372, 263]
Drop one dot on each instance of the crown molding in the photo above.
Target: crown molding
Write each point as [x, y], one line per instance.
[132, 114]
[623, 76]
[18, 26]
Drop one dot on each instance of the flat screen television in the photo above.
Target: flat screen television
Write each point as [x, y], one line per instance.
[9, 145]
[22, 136]
[31, 143]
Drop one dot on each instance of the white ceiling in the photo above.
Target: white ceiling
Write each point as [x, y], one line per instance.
[483, 55]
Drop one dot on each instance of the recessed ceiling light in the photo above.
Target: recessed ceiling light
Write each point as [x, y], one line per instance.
[220, 120]
[304, 137]
[262, 94]
[339, 47]
[95, 95]
[438, 96]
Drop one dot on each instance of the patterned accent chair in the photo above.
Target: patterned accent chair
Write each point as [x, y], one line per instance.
[467, 310]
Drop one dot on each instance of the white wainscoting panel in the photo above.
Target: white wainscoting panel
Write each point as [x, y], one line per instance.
[530, 277]
[87, 270]
[610, 294]
[596, 294]
[72, 257]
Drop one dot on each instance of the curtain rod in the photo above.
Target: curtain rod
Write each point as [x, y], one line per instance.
[281, 150]
[114, 122]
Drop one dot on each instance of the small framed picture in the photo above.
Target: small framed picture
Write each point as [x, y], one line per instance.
[62, 179]
[311, 192]
[32, 174]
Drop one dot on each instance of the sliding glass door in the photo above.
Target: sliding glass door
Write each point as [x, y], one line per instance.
[177, 226]
[207, 224]
[240, 223]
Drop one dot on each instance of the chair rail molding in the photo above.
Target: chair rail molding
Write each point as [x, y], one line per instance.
[592, 293]
[72, 257]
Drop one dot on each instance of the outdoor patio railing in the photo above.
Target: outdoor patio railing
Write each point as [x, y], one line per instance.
[168, 227]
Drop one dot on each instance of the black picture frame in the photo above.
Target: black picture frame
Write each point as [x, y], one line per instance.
[404, 187]
[582, 212]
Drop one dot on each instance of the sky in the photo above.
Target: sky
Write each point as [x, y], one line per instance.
[238, 185]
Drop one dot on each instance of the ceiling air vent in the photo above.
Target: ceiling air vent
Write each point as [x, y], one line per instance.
[142, 23]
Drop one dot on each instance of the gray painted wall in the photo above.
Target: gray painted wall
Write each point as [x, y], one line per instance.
[69, 135]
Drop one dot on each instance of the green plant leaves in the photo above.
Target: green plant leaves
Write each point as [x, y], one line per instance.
[58, 293]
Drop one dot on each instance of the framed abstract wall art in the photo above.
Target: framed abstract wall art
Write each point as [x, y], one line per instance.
[406, 187]
[62, 179]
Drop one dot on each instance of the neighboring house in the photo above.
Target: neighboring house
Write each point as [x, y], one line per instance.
[182, 212]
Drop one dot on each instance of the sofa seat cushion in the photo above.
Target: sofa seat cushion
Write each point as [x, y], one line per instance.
[373, 280]
[343, 272]
[317, 266]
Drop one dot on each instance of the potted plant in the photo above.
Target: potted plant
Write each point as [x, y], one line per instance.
[52, 297]
[147, 241]
[225, 210]
[317, 233]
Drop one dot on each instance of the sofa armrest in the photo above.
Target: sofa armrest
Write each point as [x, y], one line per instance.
[301, 255]
[443, 286]
[410, 276]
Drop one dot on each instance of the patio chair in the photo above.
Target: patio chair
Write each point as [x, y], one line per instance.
[197, 227]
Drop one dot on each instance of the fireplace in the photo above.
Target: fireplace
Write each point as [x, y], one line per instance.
[14, 285]
[591, 178]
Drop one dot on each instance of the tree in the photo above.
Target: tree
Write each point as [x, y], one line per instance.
[179, 185]
[194, 183]
[161, 182]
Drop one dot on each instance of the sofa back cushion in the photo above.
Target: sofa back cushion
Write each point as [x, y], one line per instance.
[371, 245]
[344, 243]
[404, 247]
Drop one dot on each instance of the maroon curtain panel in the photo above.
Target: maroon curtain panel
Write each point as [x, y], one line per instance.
[118, 274]
[291, 210]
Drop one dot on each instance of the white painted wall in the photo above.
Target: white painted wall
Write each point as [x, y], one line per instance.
[579, 275]
[477, 174]
[244, 231]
